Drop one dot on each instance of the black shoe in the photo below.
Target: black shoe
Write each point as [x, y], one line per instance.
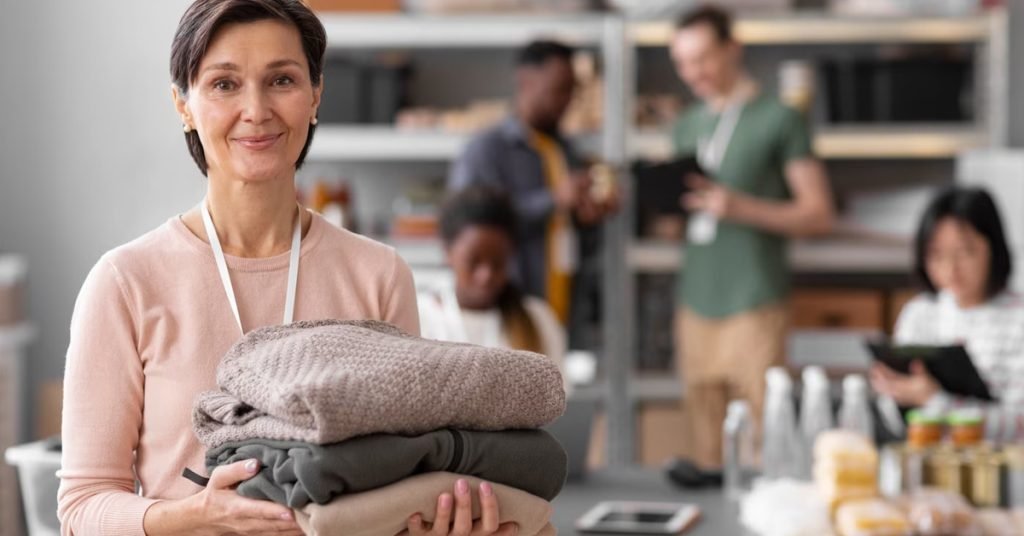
[686, 474]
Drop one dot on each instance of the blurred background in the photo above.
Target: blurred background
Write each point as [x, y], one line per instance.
[904, 97]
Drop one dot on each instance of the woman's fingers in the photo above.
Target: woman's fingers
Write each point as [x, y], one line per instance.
[508, 529]
[226, 476]
[488, 509]
[416, 526]
[443, 517]
[463, 525]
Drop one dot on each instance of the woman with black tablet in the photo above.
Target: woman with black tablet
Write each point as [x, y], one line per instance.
[962, 260]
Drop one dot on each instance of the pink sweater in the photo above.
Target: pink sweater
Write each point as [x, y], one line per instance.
[149, 328]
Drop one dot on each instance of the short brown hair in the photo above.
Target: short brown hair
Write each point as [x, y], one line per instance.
[718, 19]
[199, 25]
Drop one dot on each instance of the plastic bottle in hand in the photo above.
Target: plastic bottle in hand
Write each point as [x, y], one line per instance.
[855, 412]
[815, 413]
[737, 449]
[781, 452]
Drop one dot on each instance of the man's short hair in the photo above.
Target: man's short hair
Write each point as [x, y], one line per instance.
[716, 18]
[538, 53]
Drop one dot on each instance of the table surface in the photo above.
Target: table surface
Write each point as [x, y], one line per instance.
[719, 516]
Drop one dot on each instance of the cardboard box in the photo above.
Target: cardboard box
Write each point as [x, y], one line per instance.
[355, 5]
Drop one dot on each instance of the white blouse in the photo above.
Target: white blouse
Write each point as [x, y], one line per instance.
[992, 333]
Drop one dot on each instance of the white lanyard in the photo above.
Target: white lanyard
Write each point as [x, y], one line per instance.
[225, 276]
[711, 151]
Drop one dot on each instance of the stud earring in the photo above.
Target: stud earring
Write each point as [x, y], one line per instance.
[186, 128]
[314, 121]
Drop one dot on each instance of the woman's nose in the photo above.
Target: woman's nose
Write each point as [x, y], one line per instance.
[256, 105]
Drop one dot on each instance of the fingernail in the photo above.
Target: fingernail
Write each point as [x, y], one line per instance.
[461, 486]
[287, 516]
[446, 501]
[252, 466]
[485, 489]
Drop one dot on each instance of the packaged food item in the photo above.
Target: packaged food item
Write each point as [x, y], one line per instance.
[923, 429]
[845, 466]
[871, 517]
[785, 507]
[983, 472]
[966, 428]
[999, 522]
[935, 512]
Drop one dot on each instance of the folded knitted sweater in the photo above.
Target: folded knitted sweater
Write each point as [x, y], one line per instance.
[296, 474]
[326, 381]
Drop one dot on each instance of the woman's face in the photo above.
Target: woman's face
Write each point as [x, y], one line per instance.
[480, 256]
[252, 101]
[958, 260]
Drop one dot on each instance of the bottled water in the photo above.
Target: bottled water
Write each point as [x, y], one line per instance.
[815, 414]
[855, 412]
[781, 453]
[738, 449]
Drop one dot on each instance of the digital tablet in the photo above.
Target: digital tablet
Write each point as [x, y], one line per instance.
[660, 187]
[951, 367]
[631, 517]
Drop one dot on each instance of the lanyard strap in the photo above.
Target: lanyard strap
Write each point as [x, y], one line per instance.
[225, 276]
[712, 151]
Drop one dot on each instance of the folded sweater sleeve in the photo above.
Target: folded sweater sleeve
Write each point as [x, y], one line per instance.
[102, 416]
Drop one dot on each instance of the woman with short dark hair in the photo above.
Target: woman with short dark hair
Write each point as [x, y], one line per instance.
[964, 265]
[155, 316]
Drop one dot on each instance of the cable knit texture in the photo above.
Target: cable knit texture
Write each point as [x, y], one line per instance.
[327, 381]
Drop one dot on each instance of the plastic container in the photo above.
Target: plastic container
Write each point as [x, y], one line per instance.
[923, 430]
[37, 465]
[815, 412]
[738, 450]
[966, 428]
[782, 452]
[855, 411]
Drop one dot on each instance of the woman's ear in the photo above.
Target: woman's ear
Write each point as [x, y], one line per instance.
[318, 92]
[181, 106]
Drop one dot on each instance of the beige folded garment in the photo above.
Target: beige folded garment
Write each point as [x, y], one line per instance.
[386, 511]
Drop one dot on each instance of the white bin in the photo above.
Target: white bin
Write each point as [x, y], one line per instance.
[37, 465]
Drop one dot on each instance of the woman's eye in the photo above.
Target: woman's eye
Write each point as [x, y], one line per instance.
[283, 81]
[223, 85]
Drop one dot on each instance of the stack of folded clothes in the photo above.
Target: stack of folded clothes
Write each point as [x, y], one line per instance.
[359, 425]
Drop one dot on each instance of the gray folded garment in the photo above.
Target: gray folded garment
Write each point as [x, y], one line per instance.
[327, 381]
[296, 474]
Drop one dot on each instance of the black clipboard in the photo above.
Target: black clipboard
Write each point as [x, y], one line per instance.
[660, 186]
[951, 367]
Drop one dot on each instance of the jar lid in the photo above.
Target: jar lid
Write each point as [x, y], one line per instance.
[965, 418]
[920, 417]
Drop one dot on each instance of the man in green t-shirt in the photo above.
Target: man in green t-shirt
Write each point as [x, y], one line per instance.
[763, 187]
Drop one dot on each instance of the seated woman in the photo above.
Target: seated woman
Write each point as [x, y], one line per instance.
[962, 259]
[481, 305]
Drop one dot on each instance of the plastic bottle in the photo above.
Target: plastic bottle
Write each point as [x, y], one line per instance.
[737, 450]
[781, 453]
[815, 413]
[855, 412]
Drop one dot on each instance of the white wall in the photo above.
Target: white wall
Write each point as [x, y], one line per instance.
[91, 151]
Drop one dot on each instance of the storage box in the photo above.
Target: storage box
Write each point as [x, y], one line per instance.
[37, 465]
[12, 289]
[354, 5]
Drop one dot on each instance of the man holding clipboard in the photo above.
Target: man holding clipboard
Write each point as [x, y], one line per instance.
[762, 186]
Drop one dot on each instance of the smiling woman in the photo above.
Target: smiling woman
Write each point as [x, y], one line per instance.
[155, 316]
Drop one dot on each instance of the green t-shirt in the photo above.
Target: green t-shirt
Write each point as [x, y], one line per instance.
[743, 268]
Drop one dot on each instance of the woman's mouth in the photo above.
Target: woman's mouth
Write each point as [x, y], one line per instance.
[258, 143]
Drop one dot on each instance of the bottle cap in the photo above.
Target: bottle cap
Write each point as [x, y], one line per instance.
[778, 379]
[854, 384]
[814, 378]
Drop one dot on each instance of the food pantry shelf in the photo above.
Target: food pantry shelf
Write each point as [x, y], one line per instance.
[457, 31]
[853, 142]
[822, 28]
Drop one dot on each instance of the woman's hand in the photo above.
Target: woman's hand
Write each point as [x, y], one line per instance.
[914, 389]
[218, 510]
[463, 524]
